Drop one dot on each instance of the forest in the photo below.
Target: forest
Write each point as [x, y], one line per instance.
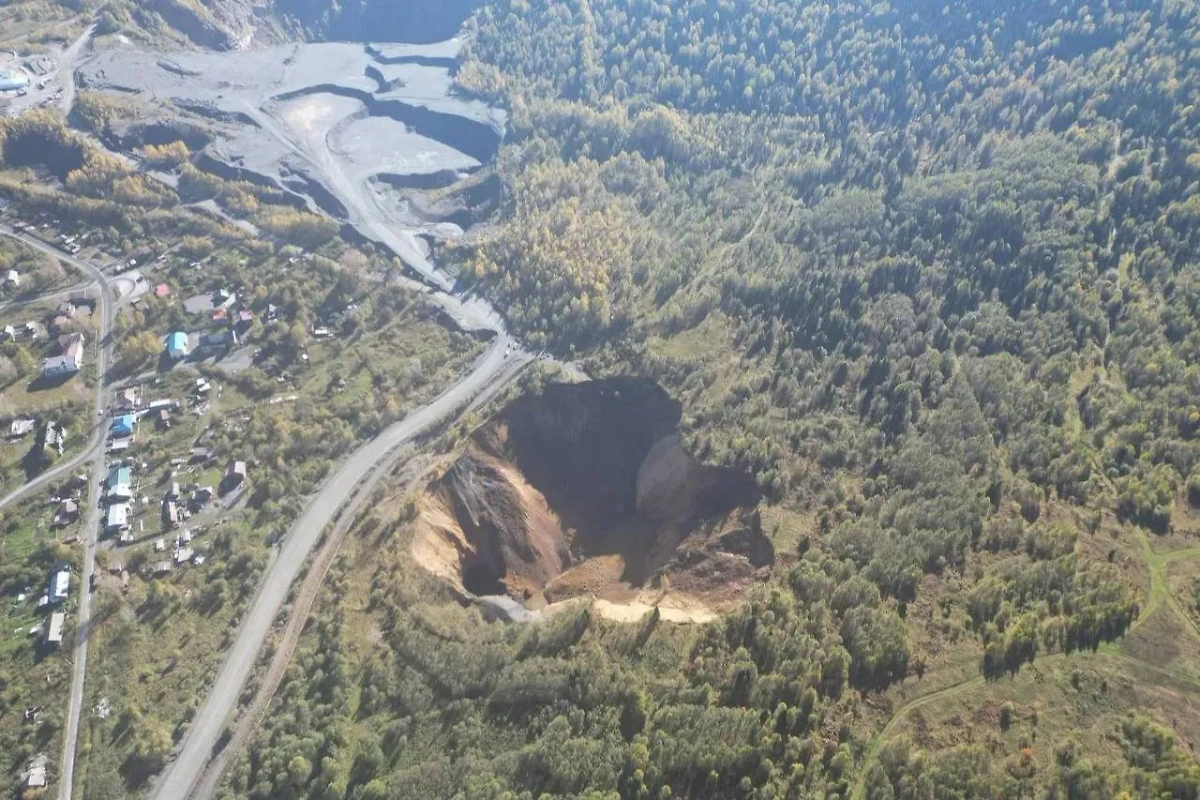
[929, 271]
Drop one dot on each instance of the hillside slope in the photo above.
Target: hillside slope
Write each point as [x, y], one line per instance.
[930, 273]
[586, 491]
[927, 271]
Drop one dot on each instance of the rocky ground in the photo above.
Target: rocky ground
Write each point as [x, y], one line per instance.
[586, 490]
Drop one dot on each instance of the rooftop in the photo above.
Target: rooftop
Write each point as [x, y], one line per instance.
[177, 343]
[117, 516]
[57, 621]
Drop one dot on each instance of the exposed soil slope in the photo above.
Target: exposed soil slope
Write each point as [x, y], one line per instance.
[587, 490]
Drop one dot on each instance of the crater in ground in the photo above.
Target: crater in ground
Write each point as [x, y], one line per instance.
[587, 490]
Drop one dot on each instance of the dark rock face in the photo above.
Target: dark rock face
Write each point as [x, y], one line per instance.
[413, 21]
[581, 444]
[506, 536]
[587, 488]
[201, 29]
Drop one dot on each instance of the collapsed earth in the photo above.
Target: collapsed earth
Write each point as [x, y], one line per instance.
[515, 399]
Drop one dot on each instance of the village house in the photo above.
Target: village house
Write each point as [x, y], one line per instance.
[235, 475]
[178, 346]
[119, 484]
[68, 512]
[116, 519]
[161, 568]
[200, 496]
[54, 437]
[35, 775]
[170, 513]
[69, 360]
[218, 340]
[123, 425]
[224, 298]
[60, 583]
[59, 323]
[128, 399]
[21, 427]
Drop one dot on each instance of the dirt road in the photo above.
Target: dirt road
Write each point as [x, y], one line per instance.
[66, 70]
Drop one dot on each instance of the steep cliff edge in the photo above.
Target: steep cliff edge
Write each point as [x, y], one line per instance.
[587, 490]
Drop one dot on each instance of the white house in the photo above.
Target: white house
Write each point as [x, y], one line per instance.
[69, 362]
[60, 584]
[21, 427]
[117, 517]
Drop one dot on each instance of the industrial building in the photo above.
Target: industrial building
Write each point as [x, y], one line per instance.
[11, 81]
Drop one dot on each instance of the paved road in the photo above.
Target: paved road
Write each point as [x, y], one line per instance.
[95, 452]
[49, 297]
[222, 698]
[96, 442]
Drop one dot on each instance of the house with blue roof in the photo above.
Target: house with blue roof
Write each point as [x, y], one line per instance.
[123, 425]
[178, 346]
[118, 476]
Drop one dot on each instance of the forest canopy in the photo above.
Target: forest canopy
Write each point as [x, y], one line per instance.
[930, 272]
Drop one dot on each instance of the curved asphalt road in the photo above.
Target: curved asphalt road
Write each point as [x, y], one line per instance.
[95, 452]
[222, 698]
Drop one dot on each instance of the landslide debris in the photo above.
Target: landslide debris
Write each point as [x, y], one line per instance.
[587, 490]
